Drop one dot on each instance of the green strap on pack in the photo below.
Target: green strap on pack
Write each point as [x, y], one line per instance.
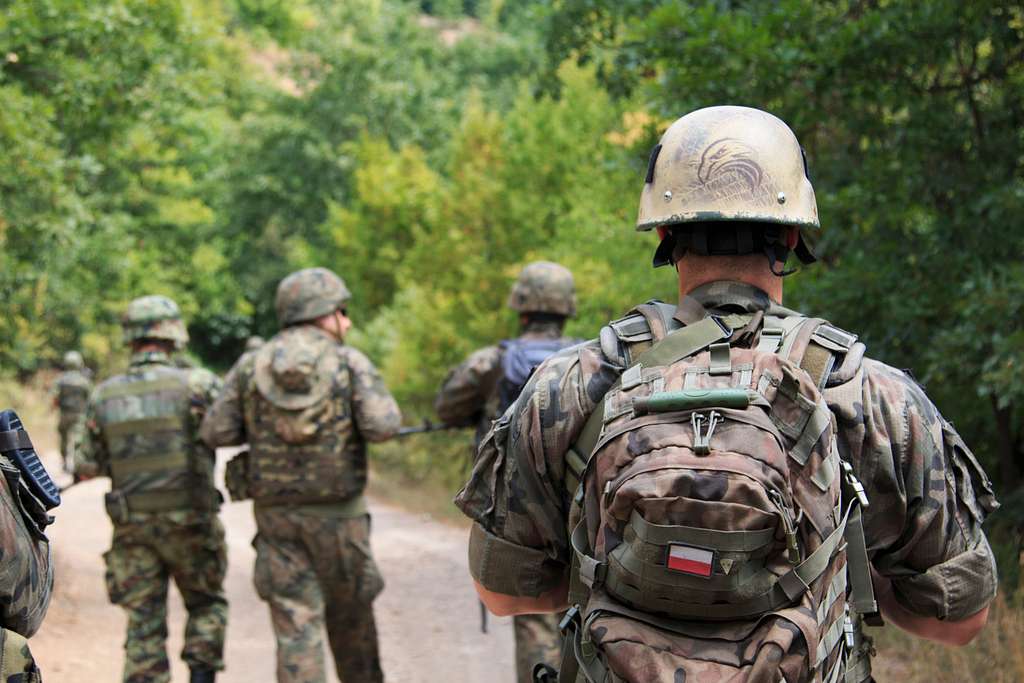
[163, 462]
[691, 399]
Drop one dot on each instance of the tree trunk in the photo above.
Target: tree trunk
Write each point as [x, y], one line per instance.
[1005, 446]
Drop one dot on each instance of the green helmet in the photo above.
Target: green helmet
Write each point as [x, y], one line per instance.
[254, 342]
[544, 287]
[308, 294]
[154, 317]
[73, 360]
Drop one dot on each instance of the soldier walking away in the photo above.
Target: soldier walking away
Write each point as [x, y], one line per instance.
[480, 389]
[72, 390]
[725, 489]
[307, 404]
[142, 431]
[26, 574]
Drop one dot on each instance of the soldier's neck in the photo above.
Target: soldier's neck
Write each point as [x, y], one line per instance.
[752, 269]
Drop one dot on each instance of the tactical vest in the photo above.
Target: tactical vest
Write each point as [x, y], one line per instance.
[304, 444]
[156, 462]
[712, 513]
[72, 394]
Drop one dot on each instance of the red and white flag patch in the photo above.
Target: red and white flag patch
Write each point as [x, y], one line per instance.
[690, 560]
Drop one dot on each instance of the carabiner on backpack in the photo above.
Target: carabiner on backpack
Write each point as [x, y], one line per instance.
[701, 438]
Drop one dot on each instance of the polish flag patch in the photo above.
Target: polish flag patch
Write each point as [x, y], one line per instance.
[690, 560]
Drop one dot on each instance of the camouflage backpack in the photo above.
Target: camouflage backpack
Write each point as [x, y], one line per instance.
[716, 532]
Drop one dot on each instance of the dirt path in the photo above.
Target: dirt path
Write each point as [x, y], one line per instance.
[428, 617]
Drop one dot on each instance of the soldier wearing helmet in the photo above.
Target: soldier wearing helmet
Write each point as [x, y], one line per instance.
[480, 389]
[71, 394]
[307, 404]
[142, 431]
[728, 193]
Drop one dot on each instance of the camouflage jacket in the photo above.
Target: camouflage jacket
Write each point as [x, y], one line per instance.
[26, 574]
[95, 455]
[928, 494]
[72, 390]
[469, 396]
[306, 405]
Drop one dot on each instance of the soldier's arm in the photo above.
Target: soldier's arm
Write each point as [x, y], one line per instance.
[466, 389]
[223, 422]
[519, 553]
[374, 408]
[26, 575]
[936, 573]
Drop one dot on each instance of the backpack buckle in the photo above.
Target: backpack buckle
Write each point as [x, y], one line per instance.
[571, 617]
[702, 438]
[854, 483]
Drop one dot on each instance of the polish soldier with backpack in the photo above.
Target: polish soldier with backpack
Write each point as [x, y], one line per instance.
[142, 431]
[480, 389]
[726, 489]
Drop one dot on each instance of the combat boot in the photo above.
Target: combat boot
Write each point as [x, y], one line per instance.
[202, 675]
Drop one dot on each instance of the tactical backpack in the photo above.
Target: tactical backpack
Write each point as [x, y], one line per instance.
[519, 359]
[716, 532]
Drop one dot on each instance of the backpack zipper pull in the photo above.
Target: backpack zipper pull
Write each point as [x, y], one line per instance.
[701, 439]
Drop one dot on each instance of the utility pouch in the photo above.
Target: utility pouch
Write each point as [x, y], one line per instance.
[16, 661]
[117, 506]
[236, 476]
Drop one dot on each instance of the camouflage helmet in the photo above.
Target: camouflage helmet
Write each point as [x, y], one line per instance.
[308, 294]
[154, 317]
[254, 342]
[544, 287]
[727, 164]
[73, 361]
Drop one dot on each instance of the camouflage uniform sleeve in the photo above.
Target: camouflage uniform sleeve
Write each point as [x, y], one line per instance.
[91, 454]
[516, 494]
[928, 495]
[223, 422]
[461, 401]
[374, 408]
[26, 574]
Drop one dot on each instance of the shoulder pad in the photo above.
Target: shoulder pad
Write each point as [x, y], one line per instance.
[631, 329]
[617, 336]
[845, 348]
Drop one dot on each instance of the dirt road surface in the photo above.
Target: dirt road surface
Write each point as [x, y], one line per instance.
[428, 616]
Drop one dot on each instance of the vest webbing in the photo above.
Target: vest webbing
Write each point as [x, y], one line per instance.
[152, 465]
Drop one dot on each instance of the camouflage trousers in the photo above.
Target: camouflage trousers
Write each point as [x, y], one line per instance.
[16, 662]
[316, 570]
[142, 559]
[538, 640]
